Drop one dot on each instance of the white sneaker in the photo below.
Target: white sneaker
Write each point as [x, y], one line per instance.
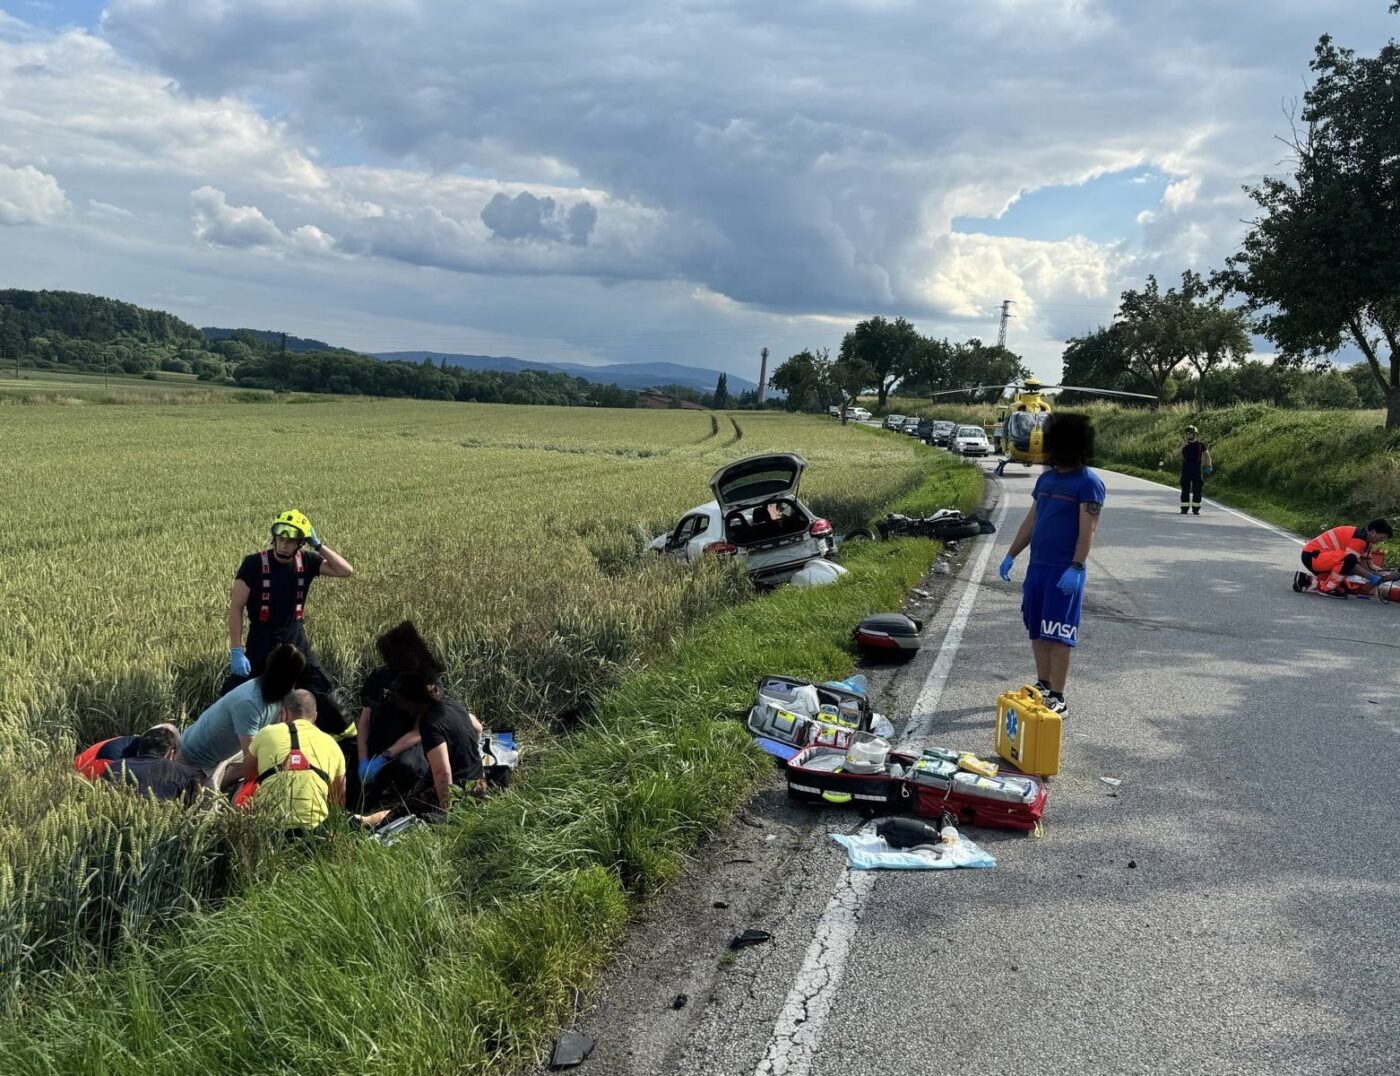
[1056, 706]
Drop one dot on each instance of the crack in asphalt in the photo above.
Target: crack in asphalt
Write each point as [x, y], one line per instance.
[795, 1035]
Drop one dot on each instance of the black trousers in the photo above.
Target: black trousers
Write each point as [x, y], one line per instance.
[1191, 485]
[330, 715]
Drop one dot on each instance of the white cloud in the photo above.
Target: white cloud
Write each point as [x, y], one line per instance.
[241, 227]
[713, 160]
[29, 196]
[106, 209]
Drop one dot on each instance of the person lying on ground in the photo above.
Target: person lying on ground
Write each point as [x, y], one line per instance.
[451, 741]
[153, 770]
[299, 769]
[93, 761]
[390, 759]
[230, 724]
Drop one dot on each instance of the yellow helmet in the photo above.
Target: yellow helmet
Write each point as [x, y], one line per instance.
[291, 524]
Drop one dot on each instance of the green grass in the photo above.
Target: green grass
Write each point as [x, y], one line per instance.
[459, 949]
[1303, 470]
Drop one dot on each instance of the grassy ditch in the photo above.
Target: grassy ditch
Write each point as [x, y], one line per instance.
[459, 949]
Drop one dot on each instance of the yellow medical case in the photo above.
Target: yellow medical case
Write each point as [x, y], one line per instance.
[1028, 733]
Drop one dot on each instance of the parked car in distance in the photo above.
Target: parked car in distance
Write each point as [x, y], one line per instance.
[940, 431]
[834, 411]
[857, 414]
[971, 441]
[755, 516]
[910, 425]
[894, 422]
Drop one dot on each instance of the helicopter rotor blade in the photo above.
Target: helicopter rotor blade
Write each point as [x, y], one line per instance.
[967, 388]
[1099, 392]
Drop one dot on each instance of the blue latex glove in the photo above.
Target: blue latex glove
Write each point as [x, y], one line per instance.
[315, 541]
[1072, 582]
[369, 769]
[1373, 579]
[1007, 563]
[238, 662]
[1209, 470]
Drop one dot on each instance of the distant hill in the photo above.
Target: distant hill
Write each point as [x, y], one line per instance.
[294, 343]
[634, 375]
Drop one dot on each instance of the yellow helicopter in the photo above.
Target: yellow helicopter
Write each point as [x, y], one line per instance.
[1023, 413]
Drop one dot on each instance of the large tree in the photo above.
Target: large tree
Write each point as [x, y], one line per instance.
[805, 379]
[1320, 265]
[891, 350]
[1098, 359]
[851, 375]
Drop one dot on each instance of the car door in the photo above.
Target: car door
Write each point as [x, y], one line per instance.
[682, 544]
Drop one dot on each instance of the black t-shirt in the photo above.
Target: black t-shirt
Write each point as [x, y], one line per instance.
[1192, 453]
[163, 778]
[386, 721]
[283, 600]
[447, 723]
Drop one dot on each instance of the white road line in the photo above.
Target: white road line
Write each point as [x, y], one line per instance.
[798, 1031]
[932, 690]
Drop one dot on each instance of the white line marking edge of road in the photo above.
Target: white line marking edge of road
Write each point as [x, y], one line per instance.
[797, 1032]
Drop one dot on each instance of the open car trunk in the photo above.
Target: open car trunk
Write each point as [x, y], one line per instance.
[757, 480]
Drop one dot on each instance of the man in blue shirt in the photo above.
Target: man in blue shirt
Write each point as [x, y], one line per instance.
[1068, 498]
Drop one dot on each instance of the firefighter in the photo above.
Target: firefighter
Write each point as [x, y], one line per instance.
[1195, 467]
[270, 587]
[1336, 554]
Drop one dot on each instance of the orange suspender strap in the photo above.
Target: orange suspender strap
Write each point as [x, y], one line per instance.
[265, 606]
[296, 760]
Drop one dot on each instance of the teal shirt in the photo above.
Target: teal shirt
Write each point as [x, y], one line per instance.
[214, 735]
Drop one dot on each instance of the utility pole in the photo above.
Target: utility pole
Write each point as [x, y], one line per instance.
[762, 376]
[1006, 316]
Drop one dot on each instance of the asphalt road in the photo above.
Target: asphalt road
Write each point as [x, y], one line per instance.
[1232, 907]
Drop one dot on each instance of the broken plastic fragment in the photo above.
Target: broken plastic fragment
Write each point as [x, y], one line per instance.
[748, 937]
[1112, 781]
[570, 1049]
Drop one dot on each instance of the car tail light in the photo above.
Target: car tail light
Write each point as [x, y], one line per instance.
[722, 549]
[876, 638]
[820, 527]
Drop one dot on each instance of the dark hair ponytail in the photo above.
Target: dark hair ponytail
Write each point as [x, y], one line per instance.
[283, 669]
[402, 649]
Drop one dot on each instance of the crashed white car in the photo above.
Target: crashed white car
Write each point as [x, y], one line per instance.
[757, 517]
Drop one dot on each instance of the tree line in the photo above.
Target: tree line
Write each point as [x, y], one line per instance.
[880, 354]
[91, 334]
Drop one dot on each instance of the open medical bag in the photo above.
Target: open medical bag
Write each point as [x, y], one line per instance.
[790, 714]
[940, 781]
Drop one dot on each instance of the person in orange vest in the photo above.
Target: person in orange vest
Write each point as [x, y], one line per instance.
[1341, 554]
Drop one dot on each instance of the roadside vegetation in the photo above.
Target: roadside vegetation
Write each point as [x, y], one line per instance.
[159, 941]
[1302, 470]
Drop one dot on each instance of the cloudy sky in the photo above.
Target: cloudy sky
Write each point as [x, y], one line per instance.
[686, 180]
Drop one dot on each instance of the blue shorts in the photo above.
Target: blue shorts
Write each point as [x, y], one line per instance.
[1047, 613]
